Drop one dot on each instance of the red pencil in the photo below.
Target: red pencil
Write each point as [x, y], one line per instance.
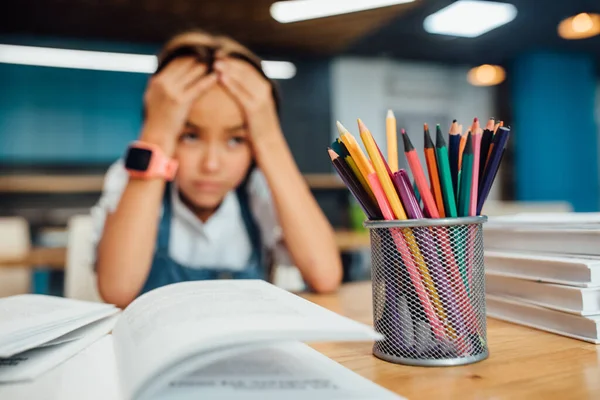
[419, 175]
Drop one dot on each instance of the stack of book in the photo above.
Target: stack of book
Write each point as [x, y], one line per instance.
[543, 271]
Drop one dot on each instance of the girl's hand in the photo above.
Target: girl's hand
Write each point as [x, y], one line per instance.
[254, 93]
[169, 97]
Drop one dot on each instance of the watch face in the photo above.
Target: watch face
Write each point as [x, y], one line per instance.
[138, 159]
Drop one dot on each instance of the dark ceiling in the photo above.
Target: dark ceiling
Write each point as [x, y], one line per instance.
[395, 31]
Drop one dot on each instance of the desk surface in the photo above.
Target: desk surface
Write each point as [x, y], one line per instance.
[524, 363]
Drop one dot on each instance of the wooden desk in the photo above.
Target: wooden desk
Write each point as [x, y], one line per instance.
[524, 363]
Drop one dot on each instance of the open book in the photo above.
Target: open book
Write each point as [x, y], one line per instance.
[169, 341]
[39, 332]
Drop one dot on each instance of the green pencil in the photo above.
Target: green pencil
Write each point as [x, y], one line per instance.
[443, 161]
[466, 179]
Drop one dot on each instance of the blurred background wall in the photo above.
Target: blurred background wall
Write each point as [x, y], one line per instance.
[60, 128]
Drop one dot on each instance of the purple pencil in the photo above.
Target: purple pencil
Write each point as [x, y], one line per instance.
[431, 258]
[500, 140]
[407, 195]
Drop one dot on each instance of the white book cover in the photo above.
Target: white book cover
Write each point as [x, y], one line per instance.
[575, 300]
[583, 271]
[584, 328]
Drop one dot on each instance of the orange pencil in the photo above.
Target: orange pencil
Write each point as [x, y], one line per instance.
[381, 170]
[434, 177]
[392, 141]
[463, 142]
[419, 175]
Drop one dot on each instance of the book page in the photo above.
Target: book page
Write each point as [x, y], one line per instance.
[27, 311]
[30, 364]
[290, 371]
[19, 343]
[89, 375]
[178, 321]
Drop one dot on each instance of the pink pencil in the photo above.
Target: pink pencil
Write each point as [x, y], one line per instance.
[477, 135]
[419, 175]
[407, 257]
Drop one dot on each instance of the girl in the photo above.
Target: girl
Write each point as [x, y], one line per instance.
[210, 188]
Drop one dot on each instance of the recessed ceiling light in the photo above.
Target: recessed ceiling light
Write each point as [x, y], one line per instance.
[486, 75]
[104, 61]
[279, 69]
[469, 18]
[301, 10]
[581, 26]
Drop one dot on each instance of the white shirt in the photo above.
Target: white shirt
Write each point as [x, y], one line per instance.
[220, 242]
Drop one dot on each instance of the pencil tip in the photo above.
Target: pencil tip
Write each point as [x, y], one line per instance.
[425, 126]
[403, 131]
[341, 129]
[475, 119]
[362, 127]
[332, 154]
[453, 121]
[427, 138]
[390, 114]
[439, 137]
[408, 146]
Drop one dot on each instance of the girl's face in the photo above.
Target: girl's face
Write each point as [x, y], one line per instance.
[213, 150]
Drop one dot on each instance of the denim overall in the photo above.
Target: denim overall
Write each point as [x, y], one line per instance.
[165, 270]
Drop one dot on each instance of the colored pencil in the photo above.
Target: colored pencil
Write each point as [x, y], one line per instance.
[491, 169]
[407, 195]
[405, 252]
[417, 194]
[432, 169]
[355, 151]
[453, 149]
[466, 179]
[435, 282]
[392, 140]
[381, 171]
[419, 175]
[461, 150]
[477, 136]
[441, 152]
[339, 147]
[486, 141]
[369, 207]
[498, 125]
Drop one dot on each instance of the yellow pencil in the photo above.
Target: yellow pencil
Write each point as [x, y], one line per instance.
[356, 153]
[382, 174]
[392, 141]
[361, 178]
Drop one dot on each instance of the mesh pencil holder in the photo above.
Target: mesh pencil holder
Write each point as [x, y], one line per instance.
[429, 291]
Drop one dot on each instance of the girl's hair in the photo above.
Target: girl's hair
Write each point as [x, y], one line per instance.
[203, 47]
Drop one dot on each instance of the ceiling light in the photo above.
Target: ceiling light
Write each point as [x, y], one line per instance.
[104, 61]
[80, 59]
[581, 26]
[486, 75]
[279, 69]
[301, 10]
[468, 18]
